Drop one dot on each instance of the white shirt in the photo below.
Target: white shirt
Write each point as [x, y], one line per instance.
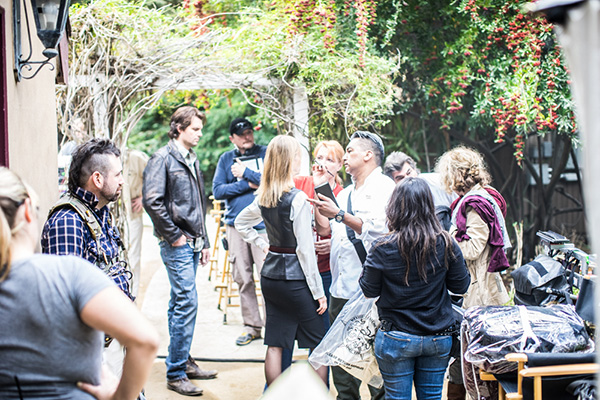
[368, 203]
[300, 214]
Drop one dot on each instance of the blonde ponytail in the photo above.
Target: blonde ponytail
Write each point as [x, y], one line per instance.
[13, 193]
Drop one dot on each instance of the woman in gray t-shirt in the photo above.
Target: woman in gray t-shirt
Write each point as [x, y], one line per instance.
[53, 312]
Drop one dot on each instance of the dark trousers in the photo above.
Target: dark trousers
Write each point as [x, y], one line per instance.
[346, 385]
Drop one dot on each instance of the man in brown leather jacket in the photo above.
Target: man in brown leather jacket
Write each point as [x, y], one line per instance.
[173, 196]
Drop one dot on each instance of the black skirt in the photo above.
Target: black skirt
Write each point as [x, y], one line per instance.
[291, 314]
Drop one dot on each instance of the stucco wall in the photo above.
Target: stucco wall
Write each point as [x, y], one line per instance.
[32, 129]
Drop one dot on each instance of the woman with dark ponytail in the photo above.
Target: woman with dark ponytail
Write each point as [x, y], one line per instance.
[54, 311]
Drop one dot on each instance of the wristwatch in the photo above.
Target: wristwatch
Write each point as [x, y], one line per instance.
[339, 217]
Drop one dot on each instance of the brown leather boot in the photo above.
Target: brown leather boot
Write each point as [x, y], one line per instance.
[184, 386]
[193, 371]
[456, 391]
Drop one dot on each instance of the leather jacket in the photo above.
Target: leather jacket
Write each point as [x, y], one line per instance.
[173, 198]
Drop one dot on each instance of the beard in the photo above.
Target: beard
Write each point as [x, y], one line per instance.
[110, 195]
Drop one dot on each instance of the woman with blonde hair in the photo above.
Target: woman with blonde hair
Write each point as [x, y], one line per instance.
[479, 228]
[54, 311]
[478, 224]
[290, 279]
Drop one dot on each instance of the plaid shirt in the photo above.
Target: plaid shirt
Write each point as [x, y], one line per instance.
[66, 233]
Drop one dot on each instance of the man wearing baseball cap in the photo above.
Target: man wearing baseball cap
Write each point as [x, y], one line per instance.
[236, 178]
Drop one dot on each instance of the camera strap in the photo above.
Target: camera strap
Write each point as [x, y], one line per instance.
[358, 244]
[111, 266]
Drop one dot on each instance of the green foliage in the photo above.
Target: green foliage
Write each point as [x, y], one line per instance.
[129, 24]
[441, 71]
[122, 56]
[480, 66]
[476, 66]
[215, 12]
[345, 88]
[221, 108]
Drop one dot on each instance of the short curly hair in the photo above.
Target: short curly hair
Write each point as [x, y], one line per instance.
[462, 168]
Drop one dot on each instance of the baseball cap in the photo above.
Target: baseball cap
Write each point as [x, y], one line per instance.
[239, 125]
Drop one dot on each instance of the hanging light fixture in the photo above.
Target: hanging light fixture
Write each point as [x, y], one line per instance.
[50, 19]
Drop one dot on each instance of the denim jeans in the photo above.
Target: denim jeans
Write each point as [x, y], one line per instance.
[181, 263]
[403, 357]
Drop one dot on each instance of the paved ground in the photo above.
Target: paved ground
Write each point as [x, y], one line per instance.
[241, 374]
[240, 369]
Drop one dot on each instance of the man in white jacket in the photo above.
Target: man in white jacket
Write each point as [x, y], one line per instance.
[355, 224]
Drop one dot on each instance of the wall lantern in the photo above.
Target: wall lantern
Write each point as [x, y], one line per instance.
[50, 20]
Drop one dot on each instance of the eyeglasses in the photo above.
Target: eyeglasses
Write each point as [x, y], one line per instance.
[33, 203]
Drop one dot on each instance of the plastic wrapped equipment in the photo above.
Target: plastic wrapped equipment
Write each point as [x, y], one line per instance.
[492, 332]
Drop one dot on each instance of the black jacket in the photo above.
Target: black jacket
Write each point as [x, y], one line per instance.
[420, 308]
[173, 198]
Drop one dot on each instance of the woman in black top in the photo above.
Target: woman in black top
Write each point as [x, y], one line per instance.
[411, 269]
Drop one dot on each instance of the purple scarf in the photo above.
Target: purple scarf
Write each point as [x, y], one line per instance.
[498, 260]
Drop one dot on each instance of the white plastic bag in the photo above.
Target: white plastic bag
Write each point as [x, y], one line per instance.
[349, 341]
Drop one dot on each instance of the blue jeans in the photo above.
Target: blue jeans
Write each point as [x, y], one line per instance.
[403, 357]
[181, 263]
